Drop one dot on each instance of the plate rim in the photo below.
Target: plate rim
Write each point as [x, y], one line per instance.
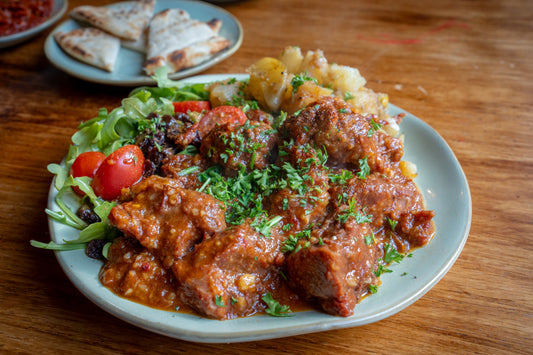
[50, 47]
[323, 322]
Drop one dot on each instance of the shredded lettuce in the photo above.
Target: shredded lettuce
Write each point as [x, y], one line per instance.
[173, 90]
[55, 246]
[107, 132]
[98, 230]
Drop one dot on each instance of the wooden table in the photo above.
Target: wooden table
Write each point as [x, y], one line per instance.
[465, 67]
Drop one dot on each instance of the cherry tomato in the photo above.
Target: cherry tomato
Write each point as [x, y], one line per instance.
[220, 115]
[193, 106]
[86, 164]
[119, 170]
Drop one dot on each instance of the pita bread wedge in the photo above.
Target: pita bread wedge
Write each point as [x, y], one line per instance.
[127, 20]
[91, 46]
[179, 42]
[138, 45]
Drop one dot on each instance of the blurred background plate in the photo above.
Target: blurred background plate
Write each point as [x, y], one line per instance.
[58, 10]
[129, 66]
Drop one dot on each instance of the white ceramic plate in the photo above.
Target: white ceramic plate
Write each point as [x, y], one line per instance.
[128, 69]
[441, 181]
[58, 10]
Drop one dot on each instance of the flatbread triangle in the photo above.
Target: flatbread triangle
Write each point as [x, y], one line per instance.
[176, 41]
[126, 20]
[91, 46]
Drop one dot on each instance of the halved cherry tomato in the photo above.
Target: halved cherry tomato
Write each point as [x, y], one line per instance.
[120, 169]
[220, 115]
[193, 106]
[86, 164]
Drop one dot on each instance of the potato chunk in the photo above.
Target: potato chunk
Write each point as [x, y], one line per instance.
[223, 92]
[269, 83]
[292, 58]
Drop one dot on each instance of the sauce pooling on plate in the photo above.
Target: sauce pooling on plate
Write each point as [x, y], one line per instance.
[19, 16]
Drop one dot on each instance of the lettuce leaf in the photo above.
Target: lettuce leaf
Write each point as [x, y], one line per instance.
[107, 132]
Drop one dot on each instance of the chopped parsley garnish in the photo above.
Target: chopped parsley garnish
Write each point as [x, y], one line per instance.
[299, 80]
[291, 243]
[287, 227]
[341, 178]
[364, 169]
[285, 204]
[360, 216]
[373, 289]
[264, 225]
[381, 270]
[392, 223]
[391, 254]
[275, 309]
[370, 239]
[188, 170]
[348, 96]
[349, 213]
[219, 301]
[341, 198]
[158, 146]
[278, 121]
[374, 127]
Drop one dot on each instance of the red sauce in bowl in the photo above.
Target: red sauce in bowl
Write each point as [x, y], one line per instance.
[20, 15]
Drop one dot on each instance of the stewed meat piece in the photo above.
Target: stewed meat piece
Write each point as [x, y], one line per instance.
[185, 168]
[135, 273]
[334, 267]
[390, 200]
[227, 274]
[167, 219]
[347, 136]
[305, 198]
[248, 145]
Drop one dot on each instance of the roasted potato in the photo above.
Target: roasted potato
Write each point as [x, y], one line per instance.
[224, 92]
[269, 83]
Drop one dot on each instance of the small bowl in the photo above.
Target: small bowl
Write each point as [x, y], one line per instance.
[58, 10]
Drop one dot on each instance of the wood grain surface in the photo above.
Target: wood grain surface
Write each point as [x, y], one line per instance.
[464, 67]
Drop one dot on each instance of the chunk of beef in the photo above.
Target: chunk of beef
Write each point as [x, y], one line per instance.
[303, 204]
[336, 268]
[137, 274]
[227, 274]
[175, 166]
[347, 136]
[394, 198]
[233, 146]
[167, 219]
[416, 227]
[305, 199]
